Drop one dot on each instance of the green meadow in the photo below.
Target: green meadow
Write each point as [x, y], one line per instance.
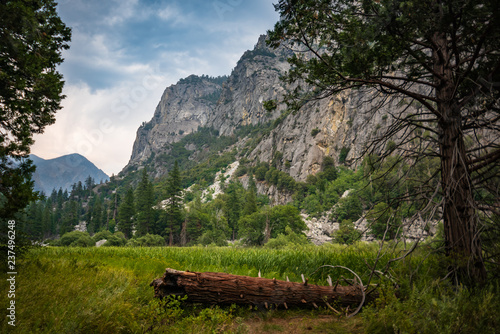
[106, 290]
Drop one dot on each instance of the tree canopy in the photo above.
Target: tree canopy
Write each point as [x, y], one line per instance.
[32, 37]
[440, 59]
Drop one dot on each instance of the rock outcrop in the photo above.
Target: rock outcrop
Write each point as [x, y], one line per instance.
[215, 103]
[340, 123]
[322, 230]
[183, 108]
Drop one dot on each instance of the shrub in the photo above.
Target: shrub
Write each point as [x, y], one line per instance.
[76, 239]
[347, 234]
[83, 241]
[117, 239]
[213, 237]
[312, 205]
[270, 105]
[103, 235]
[343, 154]
[260, 172]
[289, 239]
[315, 131]
[435, 310]
[148, 240]
[241, 170]
[349, 207]
[382, 218]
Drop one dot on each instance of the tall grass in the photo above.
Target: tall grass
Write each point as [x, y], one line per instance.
[106, 290]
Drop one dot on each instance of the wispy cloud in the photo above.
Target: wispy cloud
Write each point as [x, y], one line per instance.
[172, 14]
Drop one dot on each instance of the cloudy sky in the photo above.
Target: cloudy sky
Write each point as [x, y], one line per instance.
[123, 55]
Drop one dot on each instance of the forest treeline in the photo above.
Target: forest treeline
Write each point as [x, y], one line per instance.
[384, 191]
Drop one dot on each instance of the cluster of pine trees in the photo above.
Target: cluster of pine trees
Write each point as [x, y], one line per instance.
[190, 216]
[181, 217]
[60, 212]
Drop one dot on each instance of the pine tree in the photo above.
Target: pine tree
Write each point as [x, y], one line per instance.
[439, 56]
[250, 198]
[32, 37]
[98, 216]
[144, 205]
[232, 208]
[70, 217]
[47, 219]
[89, 185]
[126, 213]
[197, 219]
[173, 213]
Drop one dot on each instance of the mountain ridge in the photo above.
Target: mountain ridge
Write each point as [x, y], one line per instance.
[63, 172]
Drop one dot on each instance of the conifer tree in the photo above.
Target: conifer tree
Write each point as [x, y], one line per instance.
[144, 204]
[32, 37]
[250, 205]
[47, 219]
[232, 208]
[69, 217]
[173, 212]
[126, 213]
[198, 219]
[439, 60]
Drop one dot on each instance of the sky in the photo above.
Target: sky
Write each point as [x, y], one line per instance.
[122, 56]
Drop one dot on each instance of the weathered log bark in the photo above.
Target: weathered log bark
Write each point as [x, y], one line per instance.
[221, 288]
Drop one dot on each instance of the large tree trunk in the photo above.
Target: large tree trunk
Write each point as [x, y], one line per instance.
[221, 288]
[184, 233]
[461, 224]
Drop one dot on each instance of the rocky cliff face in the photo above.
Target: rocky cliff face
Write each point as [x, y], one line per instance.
[182, 109]
[254, 80]
[339, 124]
[202, 101]
[342, 123]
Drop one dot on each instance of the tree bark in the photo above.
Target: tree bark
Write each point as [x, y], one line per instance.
[461, 224]
[184, 233]
[221, 288]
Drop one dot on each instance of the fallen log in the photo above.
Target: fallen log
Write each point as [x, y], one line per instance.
[221, 288]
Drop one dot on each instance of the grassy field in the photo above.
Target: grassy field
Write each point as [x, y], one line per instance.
[106, 290]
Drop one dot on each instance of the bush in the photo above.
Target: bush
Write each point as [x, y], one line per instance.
[347, 234]
[76, 239]
[213, 237]
[437, 309]
[270, 105]
[315, 131]
[148, 240]
[83, 241]
[289, 239]
[117, 239]
[383, 218]
[103, 235]
[241, 170]
[349, 207]
[343, 154]
[312, 205]
[260, 172]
